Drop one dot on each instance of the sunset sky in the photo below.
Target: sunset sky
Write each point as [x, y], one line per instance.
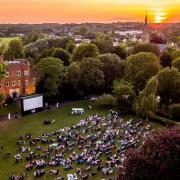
[67, 11]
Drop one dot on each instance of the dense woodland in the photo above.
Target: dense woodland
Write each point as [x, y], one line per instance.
[133, 76]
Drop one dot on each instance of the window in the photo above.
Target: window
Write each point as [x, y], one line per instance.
[18, 73]
[13, 83]
[7, 74]
[7, 83]
[19, 82]
[26, 82]
[26, 72]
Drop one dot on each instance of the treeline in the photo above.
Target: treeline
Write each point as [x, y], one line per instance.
[133, 76]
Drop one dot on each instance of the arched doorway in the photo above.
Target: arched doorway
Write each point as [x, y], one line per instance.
[14, 95]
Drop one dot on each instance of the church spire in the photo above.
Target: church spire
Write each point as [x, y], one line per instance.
[146, 19]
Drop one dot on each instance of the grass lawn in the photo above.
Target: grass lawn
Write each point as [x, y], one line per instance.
[7, 40]
[10, 130]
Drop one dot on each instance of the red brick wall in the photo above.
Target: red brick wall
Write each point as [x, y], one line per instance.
[17, 82]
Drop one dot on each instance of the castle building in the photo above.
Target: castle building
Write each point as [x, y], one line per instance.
[19, 80]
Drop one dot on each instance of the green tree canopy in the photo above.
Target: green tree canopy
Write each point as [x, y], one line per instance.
[176, 63]
[166, 59]
[169, 85]
[140, 68]
[15, 50]
[50, 73]
[84, 51]
[1, 99]
[147, 48]
[113, 68]
[73, 78]
[120, 51]
[70, 46]
[2, 70]
[175, 54]
[104, 43]
[124, 93]
[2, 49]
[46, 53]
[32, 36]
[146, 102]
[62, 55]
[83, 31]
[92, 76]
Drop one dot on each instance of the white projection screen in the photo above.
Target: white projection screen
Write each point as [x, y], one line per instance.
[33, 103]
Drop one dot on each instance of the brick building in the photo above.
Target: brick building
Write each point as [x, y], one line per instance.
[19, 79]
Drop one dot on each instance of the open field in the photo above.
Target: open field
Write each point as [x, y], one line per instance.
[7, 40]
[10, 130]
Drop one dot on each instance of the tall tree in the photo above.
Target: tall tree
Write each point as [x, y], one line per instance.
[140, 68]
[2, 75]
[104, 43]
[169, 85]
[113, 68]
[124, 93]
[175, 54]
[120, 51]
[166, 59]
[83, 31]
[73, 79]
[146, 48]
[92, 76]
[146, 102]
[50, 73]
[176, 63]
[62, 55]
[2, 49]
[15, 50]
[31, 37]
[2, 70]
[85, 51]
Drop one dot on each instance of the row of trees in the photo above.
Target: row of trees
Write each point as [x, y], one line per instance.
[67, 71]
[92, 75]
[145, 80]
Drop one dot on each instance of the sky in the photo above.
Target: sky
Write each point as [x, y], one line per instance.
[78, 11]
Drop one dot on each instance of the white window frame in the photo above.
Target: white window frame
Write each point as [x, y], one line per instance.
[7, 83]
[26, 72]
[18, 73]
[26, 82]
[13, 83]
[7, 74]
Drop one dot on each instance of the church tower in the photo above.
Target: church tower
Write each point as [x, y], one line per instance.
[146, 35]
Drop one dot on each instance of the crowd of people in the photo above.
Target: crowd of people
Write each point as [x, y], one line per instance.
[94, 146]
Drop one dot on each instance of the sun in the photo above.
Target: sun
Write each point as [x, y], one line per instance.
[160, 17]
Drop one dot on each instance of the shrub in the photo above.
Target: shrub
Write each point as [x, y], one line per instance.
[157, 159]
[175, 54]
[107, 100]
[175, 111]
[176, 63]
[162, 120]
